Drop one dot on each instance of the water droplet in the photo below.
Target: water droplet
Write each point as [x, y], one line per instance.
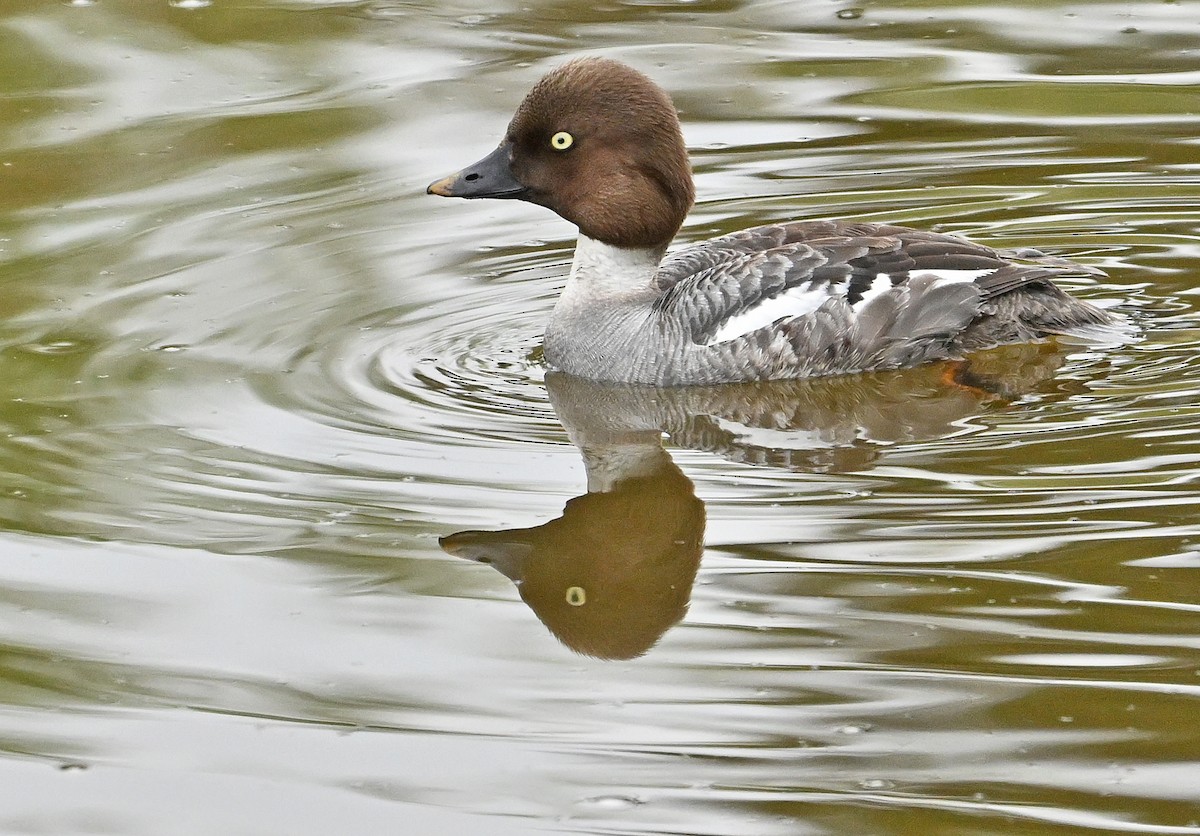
[611, 802]
[189, 4]
[386, 11]
[52, 347]
[854, 729]
[853, 13]
[170, 348]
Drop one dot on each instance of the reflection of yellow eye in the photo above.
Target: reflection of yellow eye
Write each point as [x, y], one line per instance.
[576, 596]
[561, 141]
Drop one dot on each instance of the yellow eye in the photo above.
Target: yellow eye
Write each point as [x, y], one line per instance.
[576, 596]
[561, 141]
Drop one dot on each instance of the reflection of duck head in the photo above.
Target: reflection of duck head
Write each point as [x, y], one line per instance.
[615, 571]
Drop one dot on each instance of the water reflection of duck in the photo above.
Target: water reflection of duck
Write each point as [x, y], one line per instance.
[615, 571]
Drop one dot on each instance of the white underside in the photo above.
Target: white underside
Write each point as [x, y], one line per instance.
[805, 299]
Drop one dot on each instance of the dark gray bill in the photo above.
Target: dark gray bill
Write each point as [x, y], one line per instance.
[490, 177]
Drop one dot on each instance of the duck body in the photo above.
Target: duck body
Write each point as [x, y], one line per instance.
[600, 144]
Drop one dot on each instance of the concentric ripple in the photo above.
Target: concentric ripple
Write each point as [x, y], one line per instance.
[460, 371]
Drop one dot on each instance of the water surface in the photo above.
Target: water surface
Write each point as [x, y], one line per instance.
[251, 377]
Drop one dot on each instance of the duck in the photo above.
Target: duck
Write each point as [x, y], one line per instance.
[600, 144]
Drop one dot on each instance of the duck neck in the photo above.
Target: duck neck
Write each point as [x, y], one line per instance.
[593, 331]
[603, 273]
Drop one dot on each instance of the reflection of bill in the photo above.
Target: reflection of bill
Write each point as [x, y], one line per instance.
[615, 571]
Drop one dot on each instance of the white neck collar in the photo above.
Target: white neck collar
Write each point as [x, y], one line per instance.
[602, 271]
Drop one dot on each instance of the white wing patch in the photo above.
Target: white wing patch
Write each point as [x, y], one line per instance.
[795, 301]
[883, 282]
[955, 276]
[806, 298]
